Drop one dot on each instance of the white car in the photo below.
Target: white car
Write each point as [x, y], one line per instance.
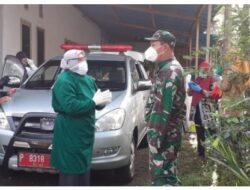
[26, 122]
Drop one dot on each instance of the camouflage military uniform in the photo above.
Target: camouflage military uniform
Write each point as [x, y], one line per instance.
[165, 114]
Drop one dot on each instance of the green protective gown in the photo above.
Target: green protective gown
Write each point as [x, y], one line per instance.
[74, 124]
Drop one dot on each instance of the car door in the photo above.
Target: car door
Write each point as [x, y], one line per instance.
[142, 99]
[138, 99]
[14, 70]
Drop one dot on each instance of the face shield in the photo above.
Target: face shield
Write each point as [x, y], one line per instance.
[71, 58]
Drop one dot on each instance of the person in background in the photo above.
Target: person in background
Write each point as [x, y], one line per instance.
[28, 64]
[200, 90]
[165, 110]
[75, 98]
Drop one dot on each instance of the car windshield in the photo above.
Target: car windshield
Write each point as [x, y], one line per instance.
[107, 74]
[45, 77]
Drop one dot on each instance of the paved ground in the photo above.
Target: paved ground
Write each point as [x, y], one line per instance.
[98, 178]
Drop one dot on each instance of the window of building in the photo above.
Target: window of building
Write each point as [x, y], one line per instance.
[25, 37]
[26, 7]
[40, 46]
[41, 11]
[67, 41]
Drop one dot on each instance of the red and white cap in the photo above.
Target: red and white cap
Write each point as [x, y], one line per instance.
[204, 65]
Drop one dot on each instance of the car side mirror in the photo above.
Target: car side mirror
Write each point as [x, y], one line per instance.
[144, 85]
[14, 82]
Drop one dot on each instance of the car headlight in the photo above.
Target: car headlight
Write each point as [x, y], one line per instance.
[4, 124]
[111, 121]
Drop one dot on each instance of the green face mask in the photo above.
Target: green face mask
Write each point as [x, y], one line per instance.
[203, 74]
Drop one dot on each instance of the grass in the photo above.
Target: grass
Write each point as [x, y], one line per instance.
[196, 171]
[226, 178]
[193, 170]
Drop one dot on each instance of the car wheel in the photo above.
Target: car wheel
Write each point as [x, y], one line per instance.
[126, 173]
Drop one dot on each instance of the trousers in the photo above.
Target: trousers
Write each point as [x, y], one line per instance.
[200, 132]
[74, 179]
[163, 152]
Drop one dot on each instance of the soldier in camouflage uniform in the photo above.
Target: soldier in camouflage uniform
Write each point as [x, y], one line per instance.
[165, 110]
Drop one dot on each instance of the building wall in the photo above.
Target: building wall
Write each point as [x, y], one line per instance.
[59, 22]
[140, 46]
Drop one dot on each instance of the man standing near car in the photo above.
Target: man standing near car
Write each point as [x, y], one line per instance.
[165, 110]
[29, 66]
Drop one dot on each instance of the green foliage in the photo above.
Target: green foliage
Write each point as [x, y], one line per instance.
[192, 169]
[239, 32]
[227, 158]
[197, 171]
[230, 145]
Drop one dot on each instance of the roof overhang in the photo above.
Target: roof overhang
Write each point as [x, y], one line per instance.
[135, 22]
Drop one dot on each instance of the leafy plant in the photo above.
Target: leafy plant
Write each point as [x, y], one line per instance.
[230, 145]
[226, 157]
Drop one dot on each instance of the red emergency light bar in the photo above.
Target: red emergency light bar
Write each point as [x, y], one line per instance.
[105, 47]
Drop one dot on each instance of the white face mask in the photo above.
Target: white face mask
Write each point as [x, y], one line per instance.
[81, 68]
[151, 54]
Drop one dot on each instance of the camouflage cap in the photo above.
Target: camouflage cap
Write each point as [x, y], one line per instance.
[163, 35]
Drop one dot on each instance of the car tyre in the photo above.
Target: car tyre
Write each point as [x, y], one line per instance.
[126, 173]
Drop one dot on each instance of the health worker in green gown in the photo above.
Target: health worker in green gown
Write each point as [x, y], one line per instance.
[75, 98]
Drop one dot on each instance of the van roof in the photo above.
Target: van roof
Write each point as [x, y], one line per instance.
[114, 56]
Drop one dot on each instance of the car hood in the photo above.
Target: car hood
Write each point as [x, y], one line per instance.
[24, 101]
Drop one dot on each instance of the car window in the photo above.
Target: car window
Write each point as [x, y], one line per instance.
[134, 75]
[134, 72]
[108, 74]
[141, 71]
[13, 67]
[45, 77]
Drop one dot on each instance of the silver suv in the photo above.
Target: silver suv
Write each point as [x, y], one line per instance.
[26, 122]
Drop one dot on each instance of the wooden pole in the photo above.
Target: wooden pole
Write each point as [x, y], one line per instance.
[190, 51]
[197, 42]
[209, 13]
[227, 26]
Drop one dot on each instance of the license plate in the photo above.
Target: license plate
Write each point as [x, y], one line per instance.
[34, 160]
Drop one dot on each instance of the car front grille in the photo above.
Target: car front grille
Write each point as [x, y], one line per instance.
[32, 126]
[34, 133]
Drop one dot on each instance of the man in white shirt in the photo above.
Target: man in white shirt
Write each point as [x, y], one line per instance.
[28, 64]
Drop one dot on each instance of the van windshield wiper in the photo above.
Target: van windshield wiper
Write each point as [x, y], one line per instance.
[37, 87]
